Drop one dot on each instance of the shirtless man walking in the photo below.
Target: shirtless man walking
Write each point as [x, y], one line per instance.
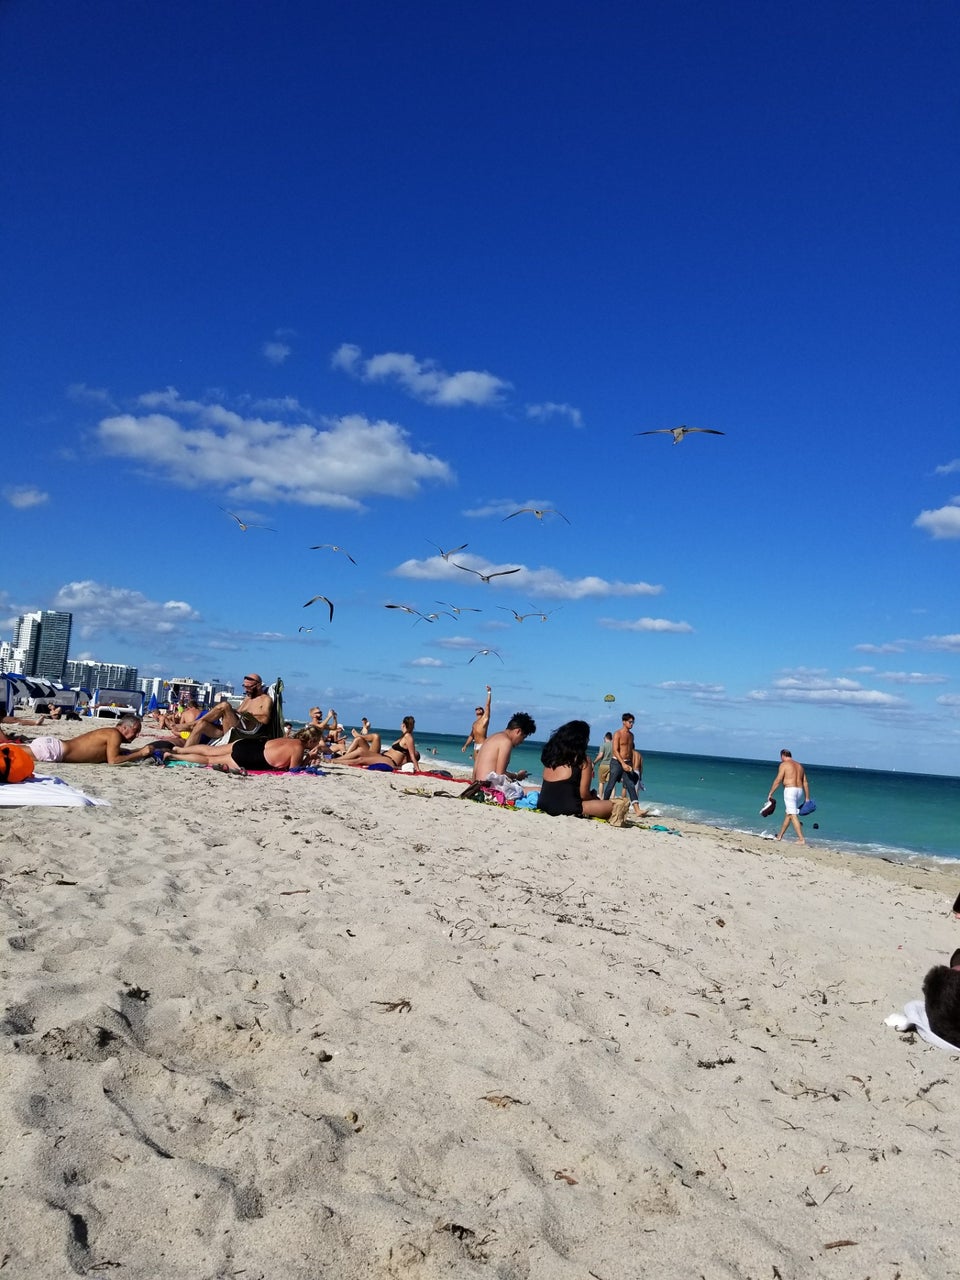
[793, 777]
[480, 727]
[99, 746]
[622, 765]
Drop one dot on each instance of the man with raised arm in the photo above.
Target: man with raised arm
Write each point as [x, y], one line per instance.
[480, 727]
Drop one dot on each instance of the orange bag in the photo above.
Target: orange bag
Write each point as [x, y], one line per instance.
[16, 763]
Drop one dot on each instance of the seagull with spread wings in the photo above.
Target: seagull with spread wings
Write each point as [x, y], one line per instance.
[486, 577]
[434, 617]
[484, 653]
[539, 513]
[679, 432]
[445, 555]
[245, 527]
[306, 629]
[407, 608]
[325, 600]
[329, 546]
[519, 616]
[464, 608]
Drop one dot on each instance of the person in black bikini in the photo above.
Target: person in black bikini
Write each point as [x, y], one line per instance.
[256, 754]
[366, 750]
[567, 774]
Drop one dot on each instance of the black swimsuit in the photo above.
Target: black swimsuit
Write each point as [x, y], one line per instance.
[248, 754]
[561, 798]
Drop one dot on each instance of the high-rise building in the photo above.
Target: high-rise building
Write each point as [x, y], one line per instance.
[44, 639]
[101, 675]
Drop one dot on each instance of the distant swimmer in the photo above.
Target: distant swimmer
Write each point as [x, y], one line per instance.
[245, 527]
[326, 601]
[545, 511]
[679, 432]
[486, 577]
[329, 546]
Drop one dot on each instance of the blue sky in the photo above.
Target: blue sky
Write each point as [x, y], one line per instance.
[379, 276]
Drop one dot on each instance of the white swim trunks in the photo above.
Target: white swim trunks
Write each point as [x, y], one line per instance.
[792, 799]
[49, 750]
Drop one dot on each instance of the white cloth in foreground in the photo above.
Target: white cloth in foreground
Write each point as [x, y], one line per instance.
[500, 782]
[914, 1017]
[43, 790]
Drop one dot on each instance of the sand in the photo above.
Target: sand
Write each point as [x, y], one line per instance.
[345, 1027]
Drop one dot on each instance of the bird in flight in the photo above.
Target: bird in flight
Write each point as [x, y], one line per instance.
[547, 511]
[329, 546]
[405, 607]
[485, 577]
[466, 608]
[327, 602]
[445, 555]
[679, 432]
[519, 616]
[245, 527]
[544, 616]
[432, 617]
[484, 653]
[307, 629]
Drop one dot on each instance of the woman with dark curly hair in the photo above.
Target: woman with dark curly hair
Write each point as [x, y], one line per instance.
[567, 773]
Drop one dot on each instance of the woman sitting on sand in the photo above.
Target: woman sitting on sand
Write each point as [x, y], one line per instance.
[246, 754]
[367, 750]
[567, 774]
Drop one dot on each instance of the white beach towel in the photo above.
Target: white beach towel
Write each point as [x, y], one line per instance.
[43, 790]
[914, 1018]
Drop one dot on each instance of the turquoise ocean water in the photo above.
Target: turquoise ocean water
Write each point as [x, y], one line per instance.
[898, 815]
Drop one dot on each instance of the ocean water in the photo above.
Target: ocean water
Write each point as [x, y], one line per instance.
[896, 815]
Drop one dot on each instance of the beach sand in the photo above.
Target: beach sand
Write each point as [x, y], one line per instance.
[344, 1026]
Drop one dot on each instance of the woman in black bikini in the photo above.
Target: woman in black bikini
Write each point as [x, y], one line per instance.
[567, 774]
[256, 754]
[367, 749]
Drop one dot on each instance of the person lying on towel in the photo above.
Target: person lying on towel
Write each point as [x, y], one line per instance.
[268, 755]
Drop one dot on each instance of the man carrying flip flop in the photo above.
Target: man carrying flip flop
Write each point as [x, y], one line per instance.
[796, 789]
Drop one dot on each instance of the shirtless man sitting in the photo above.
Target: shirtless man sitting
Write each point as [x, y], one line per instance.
[249, 720]
[494, 754]
[796, 789]
[99, 746]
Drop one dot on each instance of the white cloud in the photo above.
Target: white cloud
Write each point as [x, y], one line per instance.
[270, 461]
[276, 352]
[549, 409]
[688, 686]
[23, 497]
[878, 648]
[422, 379]
[646, 624]
[942, 523]
[949, 700]
[912, 677]
[818, 690]
[98, 608]
[503, 507]
[547, 583]
[426, 662]
[91, 395]
[949, 644]
[948, 468]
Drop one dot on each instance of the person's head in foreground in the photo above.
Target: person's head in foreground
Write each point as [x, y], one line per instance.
[252, 685]
[567, 745]
[312, 739]
[941, 995]
[129, 727]
[520, 726]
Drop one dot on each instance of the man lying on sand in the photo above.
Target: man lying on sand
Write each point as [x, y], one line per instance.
[99, 746]
[259, 754]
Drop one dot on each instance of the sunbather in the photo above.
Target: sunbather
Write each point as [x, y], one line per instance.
[255, 754]
[368, 749]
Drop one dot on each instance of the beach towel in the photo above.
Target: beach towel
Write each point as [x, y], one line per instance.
[914, 1018]
[46, 791]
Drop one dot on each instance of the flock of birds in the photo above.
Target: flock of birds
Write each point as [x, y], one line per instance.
[538, 513]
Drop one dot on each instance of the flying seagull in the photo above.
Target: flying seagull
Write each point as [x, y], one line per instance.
[445, 555]
[484, 653]
[547, 511]
[307, 629]
[485, 577]
[245, 527]
[679, 432]
[466, 608]
[544, 616]
[432, 617]
[325, 601]
[519, 616]
[405, 607]
[329, 546]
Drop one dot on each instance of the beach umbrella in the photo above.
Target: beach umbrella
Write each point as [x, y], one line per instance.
[154, 704]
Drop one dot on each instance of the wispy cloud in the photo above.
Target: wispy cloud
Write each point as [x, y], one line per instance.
[252, 458]
[425, 380]
[947, 644]
[948, 468]
[500, 508]
[898, 647]
[22, 497]
[645, 624]
[912, 677]
[98, 609]
[542, 412]
[950, 700]
[825, 691]
[944, 522]
[83, 394]
[276, 352]
[688, 686]
[547, 583]
[426, 662]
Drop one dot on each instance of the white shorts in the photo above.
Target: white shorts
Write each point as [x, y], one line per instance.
[792, 799]
[49, 750]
